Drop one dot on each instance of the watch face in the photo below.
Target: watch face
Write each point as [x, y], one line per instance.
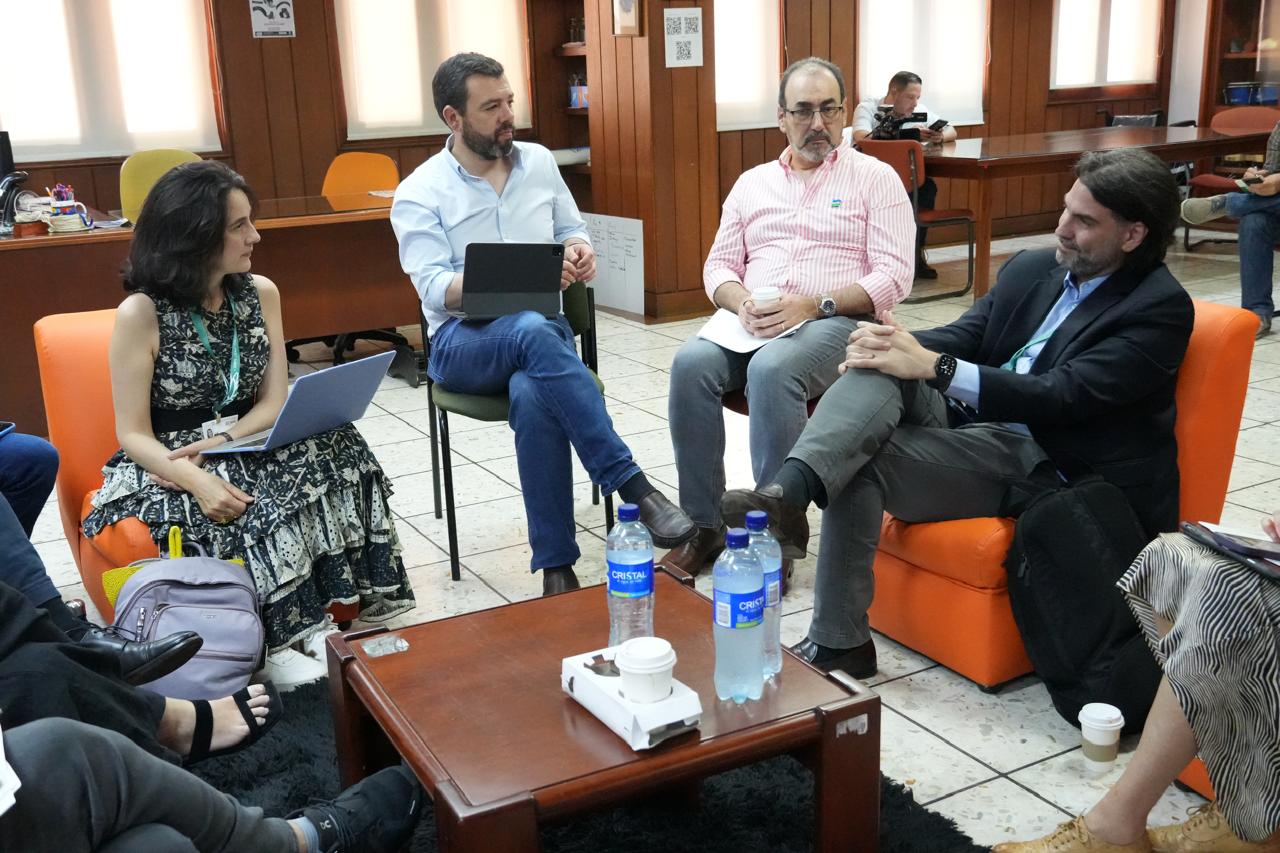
[827, 306]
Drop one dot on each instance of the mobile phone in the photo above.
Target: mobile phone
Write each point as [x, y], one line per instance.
[1250, 545]
[1209, 539]
[1245, 183]
[938, 125]
[5, 428]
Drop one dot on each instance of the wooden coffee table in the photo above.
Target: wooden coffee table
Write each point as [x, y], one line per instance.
[474, 706]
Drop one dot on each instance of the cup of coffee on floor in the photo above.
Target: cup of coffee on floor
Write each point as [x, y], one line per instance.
[1100, 726]
[645, 664]
[762, 297]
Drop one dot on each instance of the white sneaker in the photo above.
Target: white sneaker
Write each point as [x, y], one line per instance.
[290, 668]
[313, 647]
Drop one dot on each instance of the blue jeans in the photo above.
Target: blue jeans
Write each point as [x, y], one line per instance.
[20, 565]
[1259, 217]
[555, 403]
[28, 468]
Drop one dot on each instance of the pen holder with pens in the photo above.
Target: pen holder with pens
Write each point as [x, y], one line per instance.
[67, 215]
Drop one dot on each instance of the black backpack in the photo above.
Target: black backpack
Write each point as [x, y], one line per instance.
[1069, 549]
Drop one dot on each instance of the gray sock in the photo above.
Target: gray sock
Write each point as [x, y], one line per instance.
[309, 830]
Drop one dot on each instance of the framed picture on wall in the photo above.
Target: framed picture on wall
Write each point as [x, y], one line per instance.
[627, 17]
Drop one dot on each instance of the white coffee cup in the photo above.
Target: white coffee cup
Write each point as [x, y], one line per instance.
[645, 664]
[763, 296]
[1100, 726]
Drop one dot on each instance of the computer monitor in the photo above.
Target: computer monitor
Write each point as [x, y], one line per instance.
[6, 154]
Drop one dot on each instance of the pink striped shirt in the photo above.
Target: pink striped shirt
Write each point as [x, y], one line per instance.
[851, 222]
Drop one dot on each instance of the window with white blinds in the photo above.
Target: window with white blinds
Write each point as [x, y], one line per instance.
[390, 50]
[1104, 42]
[748, 52]
[107, 78]
[943, 41]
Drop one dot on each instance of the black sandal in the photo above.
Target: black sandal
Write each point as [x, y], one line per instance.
[203, 734]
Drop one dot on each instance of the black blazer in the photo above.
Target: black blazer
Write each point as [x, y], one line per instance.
[1100, 396]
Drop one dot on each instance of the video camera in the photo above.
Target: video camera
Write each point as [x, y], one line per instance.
[890, 126]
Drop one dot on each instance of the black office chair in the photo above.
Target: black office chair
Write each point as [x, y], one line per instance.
[580, 311]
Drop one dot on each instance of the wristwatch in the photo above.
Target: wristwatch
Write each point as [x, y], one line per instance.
[945, 370]
[827, 305]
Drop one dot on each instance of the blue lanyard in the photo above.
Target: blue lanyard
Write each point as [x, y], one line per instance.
[231, 378]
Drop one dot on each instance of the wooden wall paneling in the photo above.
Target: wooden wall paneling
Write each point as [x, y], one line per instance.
[106, 186]
[796, 29]
[411, 157]
[688, 222]
[313, 88]
[594, 25]
[756, 148]
[730, 165]
[662, 245]
[248, 121]
[820, 28]
[548, 74]
[999, 84]
[282, 107]
[628, 202]
[642, 130]
[612, 116]
[841, 50]
[708, 147]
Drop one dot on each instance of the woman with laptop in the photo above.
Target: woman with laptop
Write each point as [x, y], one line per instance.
[197, 360]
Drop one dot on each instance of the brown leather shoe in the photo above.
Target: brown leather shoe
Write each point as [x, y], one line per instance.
[698, 553]
[561, 579]
[668, 524]
[1072, 837]
[859, 661]
[789, 524]
[788, 566]
[1203, 831]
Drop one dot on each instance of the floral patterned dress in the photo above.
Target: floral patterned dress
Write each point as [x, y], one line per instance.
[319, 530]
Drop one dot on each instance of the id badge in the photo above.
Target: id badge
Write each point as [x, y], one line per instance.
[209, 429]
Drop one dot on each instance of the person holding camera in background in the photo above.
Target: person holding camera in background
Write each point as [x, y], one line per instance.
[886, 118]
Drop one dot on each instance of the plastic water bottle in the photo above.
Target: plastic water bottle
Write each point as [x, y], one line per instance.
[629, 554]
[738, 586]
[769, 553]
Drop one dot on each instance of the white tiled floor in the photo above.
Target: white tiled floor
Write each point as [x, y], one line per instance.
[1003, 766]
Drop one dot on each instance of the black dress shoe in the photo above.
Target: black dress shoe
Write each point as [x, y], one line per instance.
[561, 579]
[859, 661]
[698, 553]
[789, 524]
[144, 660]
[923, 270]
[668, 525]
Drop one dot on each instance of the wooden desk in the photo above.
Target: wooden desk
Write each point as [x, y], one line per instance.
[983, 160]
[335, 260]
[475, 708]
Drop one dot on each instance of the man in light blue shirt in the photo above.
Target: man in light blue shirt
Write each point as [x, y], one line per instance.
[486, 187]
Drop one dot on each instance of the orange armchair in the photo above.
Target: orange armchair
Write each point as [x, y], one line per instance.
[74, 375]
[941, 587]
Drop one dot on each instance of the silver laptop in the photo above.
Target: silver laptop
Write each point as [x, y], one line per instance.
[504, 278]
[317, 402]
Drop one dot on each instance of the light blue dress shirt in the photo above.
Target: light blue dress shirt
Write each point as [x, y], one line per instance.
[441, 208]
[966, 384]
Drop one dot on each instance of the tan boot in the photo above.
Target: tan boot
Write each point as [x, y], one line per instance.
[1204, 831]
[1071, 837]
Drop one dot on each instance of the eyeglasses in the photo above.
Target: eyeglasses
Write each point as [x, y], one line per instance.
[805, 114]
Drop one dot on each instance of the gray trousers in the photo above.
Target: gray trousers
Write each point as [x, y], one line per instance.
[880, 443]
[780, 379]
[87, 789]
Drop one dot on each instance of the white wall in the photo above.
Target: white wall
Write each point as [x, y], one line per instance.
[1190, 19]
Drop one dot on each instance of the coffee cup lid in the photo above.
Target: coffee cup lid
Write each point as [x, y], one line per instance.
[641, 655]
[766, 293]
[1101, 716]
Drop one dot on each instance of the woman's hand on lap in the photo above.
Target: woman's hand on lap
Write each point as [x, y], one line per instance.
[221, 501]
[194, 450]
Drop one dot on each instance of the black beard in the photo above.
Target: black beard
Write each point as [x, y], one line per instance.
[486, 147]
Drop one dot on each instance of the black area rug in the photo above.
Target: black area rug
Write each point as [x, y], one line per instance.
[764, 807]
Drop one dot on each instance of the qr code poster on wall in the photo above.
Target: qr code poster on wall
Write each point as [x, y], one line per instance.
[272, 18]
[683, 29]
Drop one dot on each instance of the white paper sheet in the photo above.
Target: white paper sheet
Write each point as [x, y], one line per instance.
[724, 329]
[9, 783]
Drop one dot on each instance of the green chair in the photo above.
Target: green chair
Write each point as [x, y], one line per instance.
[580, 310]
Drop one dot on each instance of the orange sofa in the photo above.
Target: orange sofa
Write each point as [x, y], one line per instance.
[75, 377]
[941, 587]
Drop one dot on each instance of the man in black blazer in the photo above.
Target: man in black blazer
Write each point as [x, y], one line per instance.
[1068, 366]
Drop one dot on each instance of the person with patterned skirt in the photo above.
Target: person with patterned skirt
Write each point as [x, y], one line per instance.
[197, 359]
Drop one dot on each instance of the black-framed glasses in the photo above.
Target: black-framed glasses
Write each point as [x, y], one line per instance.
[805, 114]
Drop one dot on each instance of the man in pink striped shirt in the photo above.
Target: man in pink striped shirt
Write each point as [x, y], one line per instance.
[833, 231]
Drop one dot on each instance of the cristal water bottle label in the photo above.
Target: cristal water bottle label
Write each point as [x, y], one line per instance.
[739, 609]
[630, 580]
[772, 588]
